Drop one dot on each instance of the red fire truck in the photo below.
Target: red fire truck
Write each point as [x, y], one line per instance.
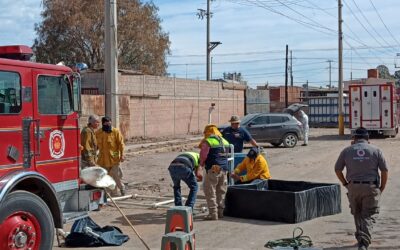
[40, 189]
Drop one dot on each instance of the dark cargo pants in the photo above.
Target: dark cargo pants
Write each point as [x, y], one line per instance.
[364, 205]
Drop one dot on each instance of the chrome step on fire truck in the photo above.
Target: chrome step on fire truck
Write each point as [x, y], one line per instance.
[40, 189]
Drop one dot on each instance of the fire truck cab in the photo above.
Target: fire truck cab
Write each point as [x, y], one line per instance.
[40, 189]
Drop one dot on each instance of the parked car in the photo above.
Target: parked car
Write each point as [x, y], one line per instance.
[275, 128]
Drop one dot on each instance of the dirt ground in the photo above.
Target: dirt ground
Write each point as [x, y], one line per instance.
[147, 173]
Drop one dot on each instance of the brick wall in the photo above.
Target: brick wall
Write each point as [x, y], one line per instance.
[152, 106]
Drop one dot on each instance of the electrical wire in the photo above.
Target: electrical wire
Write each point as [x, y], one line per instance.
[362, 25]
[308, 25]
[369, 23]
[391, 34]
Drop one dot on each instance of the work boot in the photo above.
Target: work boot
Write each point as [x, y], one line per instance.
[211, 217]
[361, 246]
[220, 213]
[122, 192]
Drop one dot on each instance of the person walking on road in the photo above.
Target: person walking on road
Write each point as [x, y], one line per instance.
[111, 152]
[183, 168]
[303, 118]
[89, 142]
[363, 163]
[213, 157]
[255, 165]
[237, 135]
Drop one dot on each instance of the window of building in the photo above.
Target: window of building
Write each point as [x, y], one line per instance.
[10, 93]
[54, 95]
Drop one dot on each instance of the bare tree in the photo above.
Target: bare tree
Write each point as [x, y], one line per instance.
[73, 31]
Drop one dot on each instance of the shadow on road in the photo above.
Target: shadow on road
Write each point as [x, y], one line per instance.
[330, 138]
[142, 219]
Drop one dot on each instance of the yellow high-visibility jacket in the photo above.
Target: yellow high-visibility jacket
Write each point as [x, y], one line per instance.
[256, 169]
[89, 144]
[111, 147]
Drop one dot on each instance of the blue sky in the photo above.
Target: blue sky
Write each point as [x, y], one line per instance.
[254, 34]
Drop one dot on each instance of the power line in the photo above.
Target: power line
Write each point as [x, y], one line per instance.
[384, 23]
[306, 17]
[366, 19]
[282, 51]
[309, 25]
[359, 21]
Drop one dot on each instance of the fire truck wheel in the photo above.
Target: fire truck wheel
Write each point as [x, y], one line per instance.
[25, 222]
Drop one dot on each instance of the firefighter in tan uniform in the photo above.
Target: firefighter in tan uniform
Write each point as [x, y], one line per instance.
[89, 142]
[111, 152]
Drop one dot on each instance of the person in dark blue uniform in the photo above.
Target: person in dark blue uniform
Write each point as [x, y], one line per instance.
[237, 135]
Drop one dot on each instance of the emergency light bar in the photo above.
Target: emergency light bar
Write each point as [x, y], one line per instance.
[16, 52]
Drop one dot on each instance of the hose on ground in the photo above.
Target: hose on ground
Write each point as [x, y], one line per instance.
[296, 241]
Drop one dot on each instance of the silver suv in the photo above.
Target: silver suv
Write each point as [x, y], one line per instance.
[275, 128]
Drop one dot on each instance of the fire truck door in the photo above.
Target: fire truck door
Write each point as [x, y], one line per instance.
[59, 130]
[15, 105]
[370, 103]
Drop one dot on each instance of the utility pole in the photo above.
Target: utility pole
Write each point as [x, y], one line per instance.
[208, 40]
[307, 93]
[330, 74]
[209, 45]
[340, 77]
[111, 62]
[286, 77]
[291, 69]
[211, 77]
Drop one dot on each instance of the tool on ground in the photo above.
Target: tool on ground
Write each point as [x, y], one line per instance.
[295, 241]
[127, 220]
[89, 231]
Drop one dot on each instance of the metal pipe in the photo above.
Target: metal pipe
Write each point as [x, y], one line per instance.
[202, 209]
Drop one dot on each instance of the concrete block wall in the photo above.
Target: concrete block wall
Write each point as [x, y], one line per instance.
[152, 106]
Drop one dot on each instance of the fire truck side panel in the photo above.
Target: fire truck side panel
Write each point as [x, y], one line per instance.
[387, 112]
[355, 106]
[59, 153]
[15, 103]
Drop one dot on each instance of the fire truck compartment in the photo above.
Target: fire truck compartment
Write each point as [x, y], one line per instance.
[283, 201]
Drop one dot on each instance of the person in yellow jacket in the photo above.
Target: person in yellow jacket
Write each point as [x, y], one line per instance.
[255, 165]
[89, 142]
[111, 152]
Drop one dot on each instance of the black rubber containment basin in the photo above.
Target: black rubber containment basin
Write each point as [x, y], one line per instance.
[283, 201]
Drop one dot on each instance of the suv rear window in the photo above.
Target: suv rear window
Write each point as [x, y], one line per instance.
[277, 119]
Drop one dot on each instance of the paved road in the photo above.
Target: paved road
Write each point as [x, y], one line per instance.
[148, 175]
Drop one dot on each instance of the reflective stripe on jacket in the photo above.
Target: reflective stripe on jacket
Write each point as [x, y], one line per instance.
[111, 147]
[89, 144]
[256, 169]
[194, 156]
[217, 153]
